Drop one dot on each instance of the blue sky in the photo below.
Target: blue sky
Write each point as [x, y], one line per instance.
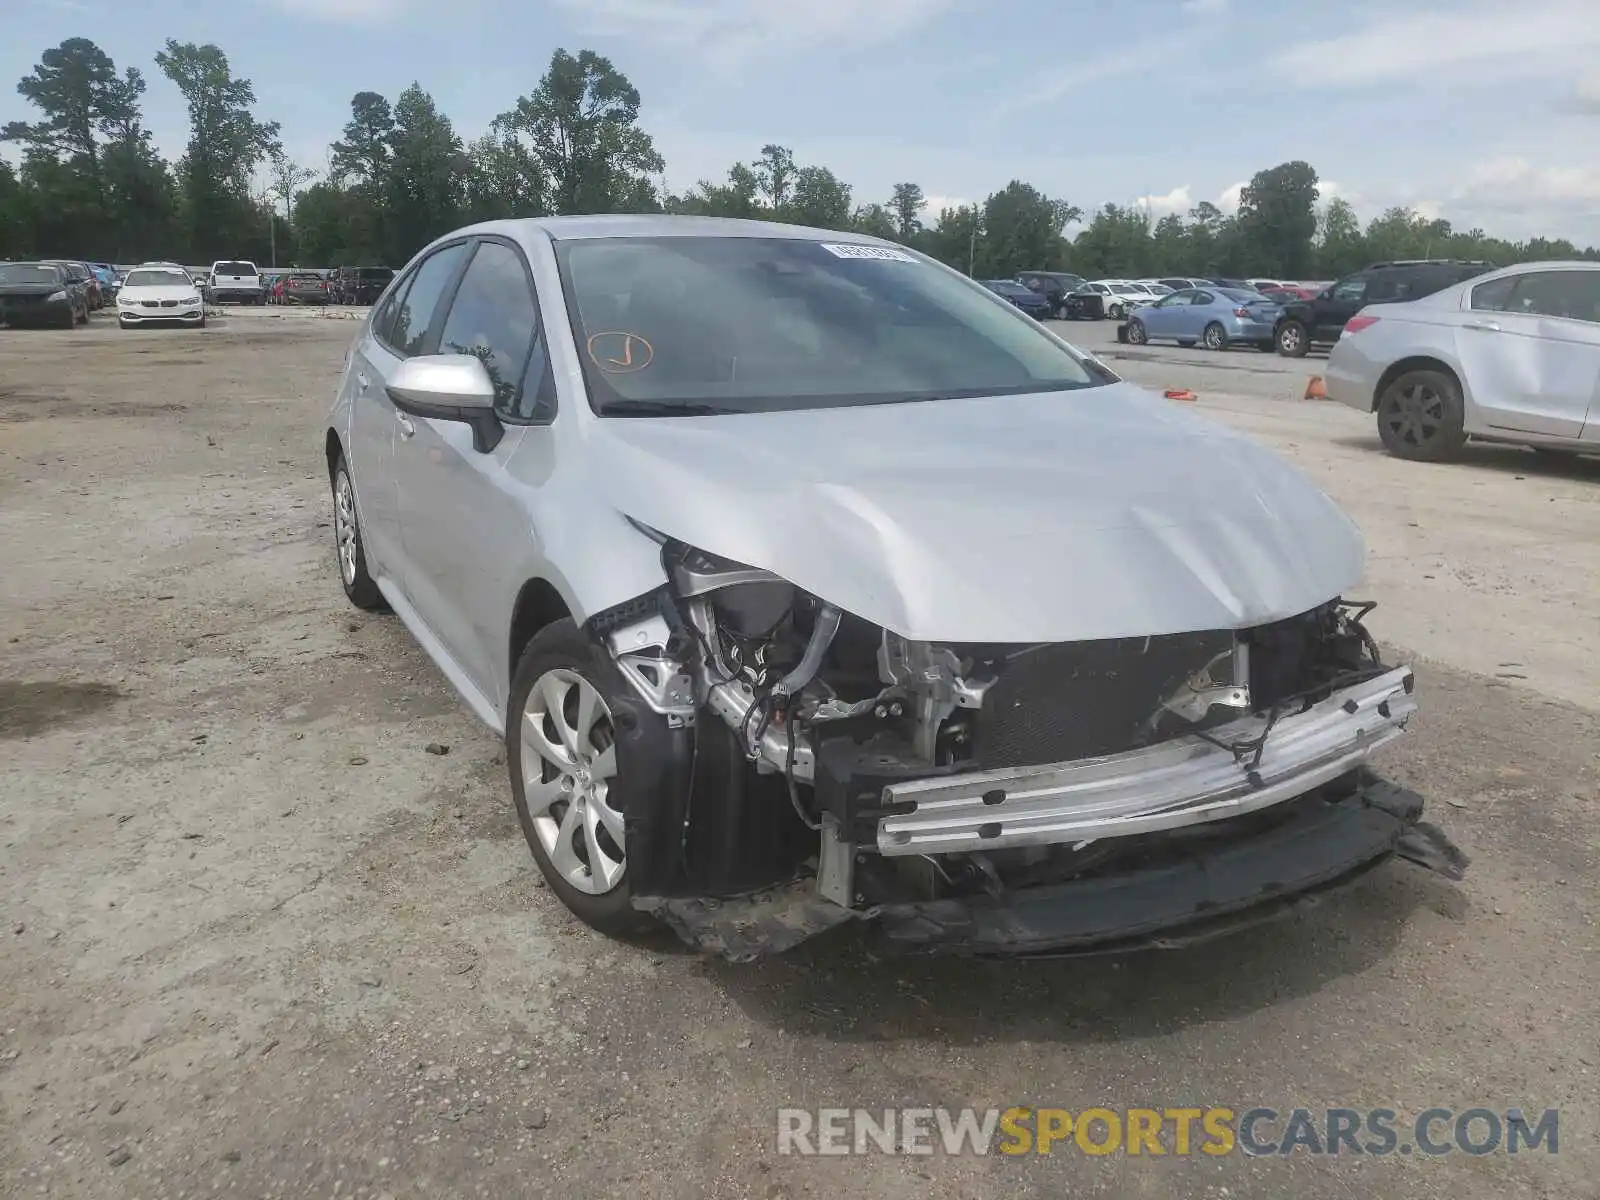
[1484, 111]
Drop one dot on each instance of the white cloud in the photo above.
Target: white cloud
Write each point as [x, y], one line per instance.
[1462, 45]
[1586, 94]
[349, 12]
[731, 32]
[1228, 201]
[1177, 201]
[1512, 183]
[932, 206]
[1056, 82]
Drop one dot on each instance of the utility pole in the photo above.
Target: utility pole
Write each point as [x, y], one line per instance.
[972, 242]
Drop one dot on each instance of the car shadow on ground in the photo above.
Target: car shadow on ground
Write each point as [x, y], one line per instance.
[847, 987]
[1509, 460]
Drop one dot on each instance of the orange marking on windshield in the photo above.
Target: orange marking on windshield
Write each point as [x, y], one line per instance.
[628, 352]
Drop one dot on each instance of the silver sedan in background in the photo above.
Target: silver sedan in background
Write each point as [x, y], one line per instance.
[1512, 356]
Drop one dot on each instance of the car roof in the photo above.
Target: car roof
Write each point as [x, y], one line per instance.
[612, 225]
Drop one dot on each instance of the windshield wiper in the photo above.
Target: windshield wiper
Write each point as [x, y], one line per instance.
[662, 408]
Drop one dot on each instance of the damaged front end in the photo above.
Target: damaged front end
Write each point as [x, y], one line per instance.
[998, 798]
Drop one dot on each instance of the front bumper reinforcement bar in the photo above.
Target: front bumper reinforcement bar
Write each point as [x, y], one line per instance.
[1184, 781]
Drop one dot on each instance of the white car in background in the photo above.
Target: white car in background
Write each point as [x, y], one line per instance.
[1510, 356]
[1120, 296]
[236, 279]
[159, 294]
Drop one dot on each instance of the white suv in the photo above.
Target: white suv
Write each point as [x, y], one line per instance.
[234, 279]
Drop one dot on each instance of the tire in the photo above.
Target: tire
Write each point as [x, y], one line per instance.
[1214, 336]
[1117, 312]
[202, 322]
[1136, 333]
[349, 550]
[1291, 339]
[1420, 416]
[576, 838]
[72, 318]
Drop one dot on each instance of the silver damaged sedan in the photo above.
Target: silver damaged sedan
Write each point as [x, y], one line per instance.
[810, 584]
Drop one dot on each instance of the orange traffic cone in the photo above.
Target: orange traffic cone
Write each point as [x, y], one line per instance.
[1316, 389]
[1180, 394]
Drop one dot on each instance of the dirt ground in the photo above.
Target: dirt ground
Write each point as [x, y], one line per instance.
[258, 942]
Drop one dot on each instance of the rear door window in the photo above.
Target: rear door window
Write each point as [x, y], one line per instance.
[1352, 290]
[1571, 295]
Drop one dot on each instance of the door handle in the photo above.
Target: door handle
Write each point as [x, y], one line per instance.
[1483, 326]
[407, 429]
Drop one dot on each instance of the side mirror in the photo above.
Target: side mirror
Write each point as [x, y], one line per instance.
[449, 387]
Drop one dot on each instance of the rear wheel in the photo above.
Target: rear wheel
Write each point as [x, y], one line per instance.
[1215, 337]
[1420, 416]
[1136, 333]
[1292, 340]
[566, 756]
[1117, 312]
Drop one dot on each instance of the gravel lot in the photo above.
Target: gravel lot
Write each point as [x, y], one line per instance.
[259, 942]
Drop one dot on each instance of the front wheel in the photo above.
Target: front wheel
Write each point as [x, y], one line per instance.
[1420, 416]
[1136, 333]
[1292, 340]
[567, 746]
[1117, 312]
[1215, 337]
[358, 583]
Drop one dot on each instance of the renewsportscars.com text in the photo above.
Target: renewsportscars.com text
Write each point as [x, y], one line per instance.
[1179, 1132]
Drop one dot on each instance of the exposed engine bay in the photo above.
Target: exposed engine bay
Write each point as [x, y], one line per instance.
[827, 758]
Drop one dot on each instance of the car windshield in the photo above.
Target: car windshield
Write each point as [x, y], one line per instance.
[235, 268]
[1006, 288]
[721, 324]
[156, 279]
[1125, 289]
[28, 273]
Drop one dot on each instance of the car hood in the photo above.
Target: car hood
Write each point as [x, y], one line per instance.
[1063, 516]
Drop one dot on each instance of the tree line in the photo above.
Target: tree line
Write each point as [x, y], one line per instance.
[92, 185]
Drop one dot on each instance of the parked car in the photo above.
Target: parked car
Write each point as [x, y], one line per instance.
[1215, 317]
[1182, 284]
[1065, 291]
[237, 280]
[40, 293]
[359, 285]
[717, 525]
[1025, 298]
[106, 275]
[303, 287]
[83, 279]
[1117, 297]
[1508, 356]
[1319, 321]
[160, 295]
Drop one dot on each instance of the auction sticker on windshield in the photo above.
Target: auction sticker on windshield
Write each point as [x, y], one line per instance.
[880, 253]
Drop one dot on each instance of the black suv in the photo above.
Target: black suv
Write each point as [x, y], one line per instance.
[1319, 321]
[358, 285]
[1066, 293]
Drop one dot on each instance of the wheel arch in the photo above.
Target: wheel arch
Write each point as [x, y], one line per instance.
[334, 449]
[539, 604]
[1415, 362]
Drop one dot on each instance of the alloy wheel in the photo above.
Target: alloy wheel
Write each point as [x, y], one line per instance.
[569, 760]
[1289, 338]
[1136, 333]
[1214, 337]
[344, 526]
